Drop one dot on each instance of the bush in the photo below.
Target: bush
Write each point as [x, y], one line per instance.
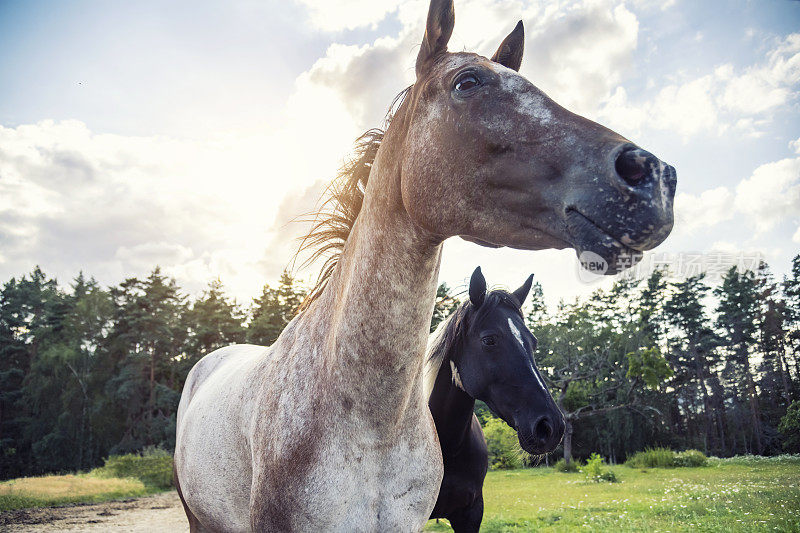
[504, 449]
[562, 466]
[152, 466]
[594, 471]
[652, 458]
[789, 428]
[691, 458]
[752, 460]
[666, 458]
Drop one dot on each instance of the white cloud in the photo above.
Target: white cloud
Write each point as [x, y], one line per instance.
[714, 102]
[578, 53]
[362, 79]
[770, 196]
[661, 5]
[71, 199]
[707, 209]
[334, 15]
[763, 87]
[725, 247]
[686, 109]
[796, 236]
[116, 205]
[771, 193]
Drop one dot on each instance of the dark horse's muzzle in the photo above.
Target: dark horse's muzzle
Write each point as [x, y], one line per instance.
[544, 434]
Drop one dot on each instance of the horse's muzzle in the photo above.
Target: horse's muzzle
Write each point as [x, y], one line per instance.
[630, 211]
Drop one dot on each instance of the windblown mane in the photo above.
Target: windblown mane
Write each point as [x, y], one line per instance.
[450, 332]
[343, 198]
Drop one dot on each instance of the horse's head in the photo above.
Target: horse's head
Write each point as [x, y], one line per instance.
[504, 165]
[495, 365]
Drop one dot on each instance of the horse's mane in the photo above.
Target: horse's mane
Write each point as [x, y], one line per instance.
[450, 332]
[343, 198]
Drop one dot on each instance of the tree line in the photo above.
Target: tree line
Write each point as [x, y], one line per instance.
[681, 364]
[87, 372]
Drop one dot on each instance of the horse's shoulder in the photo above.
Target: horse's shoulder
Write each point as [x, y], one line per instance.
[221, 364]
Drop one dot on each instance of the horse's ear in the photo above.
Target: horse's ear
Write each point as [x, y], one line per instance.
[522, 293]
[439, 28]
[509, 54]
[477, 288]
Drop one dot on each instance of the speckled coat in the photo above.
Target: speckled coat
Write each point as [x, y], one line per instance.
[328, 429]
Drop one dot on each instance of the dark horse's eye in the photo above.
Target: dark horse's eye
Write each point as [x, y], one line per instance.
[488, 340]
[466, 82]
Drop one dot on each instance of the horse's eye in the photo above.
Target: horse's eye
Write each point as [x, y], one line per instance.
[466, 81]
[488, 340]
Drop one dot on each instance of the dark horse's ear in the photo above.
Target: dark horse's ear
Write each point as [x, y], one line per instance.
[439, 28]
[522, 293]
[477, 287]
[509, 54]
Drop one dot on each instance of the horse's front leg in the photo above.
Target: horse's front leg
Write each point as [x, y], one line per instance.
[468, 519]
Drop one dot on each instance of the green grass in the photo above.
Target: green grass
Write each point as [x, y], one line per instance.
[122, 476]
[740, 494]
[47, 491]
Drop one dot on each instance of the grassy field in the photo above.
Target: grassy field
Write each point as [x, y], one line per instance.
[47, 491]
[742, 494]
[122, 476]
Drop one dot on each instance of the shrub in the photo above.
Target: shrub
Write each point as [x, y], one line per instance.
[789, 428]
[594, 471]
[666, 458]
[504, 449]
[152, 466]
[562, 466]
[691, 458]
[652, 458]
[751, 460]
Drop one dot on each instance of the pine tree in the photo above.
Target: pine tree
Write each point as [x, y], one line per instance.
[213, 322]
[537, 309]
[791, 314]
[273, 310]
[737, 314]
[147, 338]
[692, 350]
[444, 306]
[773, 380]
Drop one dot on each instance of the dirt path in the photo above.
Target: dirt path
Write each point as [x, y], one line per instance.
[159, 513]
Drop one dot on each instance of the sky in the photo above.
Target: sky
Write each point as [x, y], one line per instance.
[191, 135]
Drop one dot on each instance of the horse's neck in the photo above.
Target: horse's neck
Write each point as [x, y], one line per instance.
[377, 306]
[452, 409]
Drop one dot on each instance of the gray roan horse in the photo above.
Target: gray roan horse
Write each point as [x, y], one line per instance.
[484, 351]
[328, 429]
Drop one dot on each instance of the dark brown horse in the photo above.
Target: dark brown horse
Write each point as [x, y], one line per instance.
[484, 351]
[328, 429]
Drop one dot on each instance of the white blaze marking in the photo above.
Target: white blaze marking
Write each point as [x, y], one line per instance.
[538, 377]
[515, 332]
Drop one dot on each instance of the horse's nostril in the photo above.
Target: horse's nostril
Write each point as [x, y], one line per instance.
[543, 429]
[632, 165]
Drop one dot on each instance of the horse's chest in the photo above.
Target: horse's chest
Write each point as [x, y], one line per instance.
[390, 491]
[363, 484]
